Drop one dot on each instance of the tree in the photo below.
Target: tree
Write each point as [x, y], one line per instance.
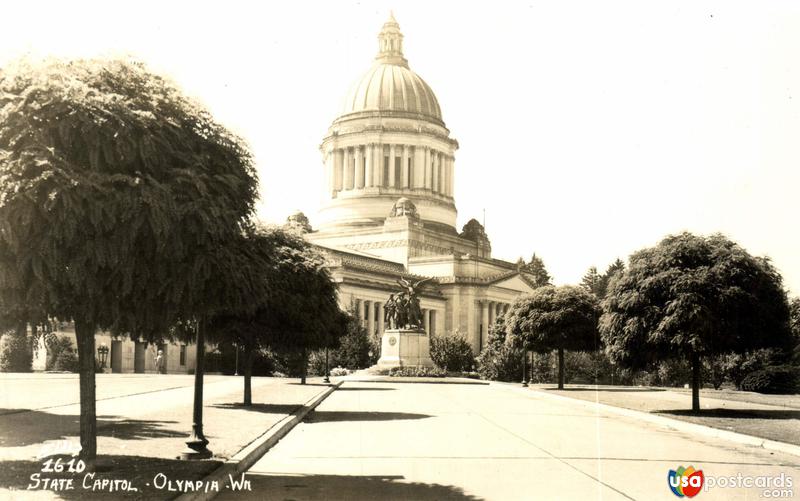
[117, 198]
[305, 314]
[613, 270]
[292, 283]
[591, 281]
[554, 318]
[499, 361]
[692, 297]
[536, 268]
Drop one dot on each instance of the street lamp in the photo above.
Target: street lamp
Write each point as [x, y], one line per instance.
[530, 371]
[327, 370]
[102, 353]
[196, 445]
[524, 364]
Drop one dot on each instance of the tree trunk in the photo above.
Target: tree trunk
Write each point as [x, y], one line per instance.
[561, 368]
[84, 336]
[695, 382]
[304, 368]
[249, 356]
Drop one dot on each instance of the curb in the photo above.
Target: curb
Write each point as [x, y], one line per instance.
[247, 457]
[671, 423]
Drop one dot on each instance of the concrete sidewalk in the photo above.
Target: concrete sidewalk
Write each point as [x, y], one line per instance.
[146, 419]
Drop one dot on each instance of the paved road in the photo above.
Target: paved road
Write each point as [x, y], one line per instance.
[441, 441]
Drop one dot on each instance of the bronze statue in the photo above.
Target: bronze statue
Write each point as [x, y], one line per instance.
[402, 310]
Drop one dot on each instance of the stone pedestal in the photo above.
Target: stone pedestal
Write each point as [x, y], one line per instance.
[404, 348]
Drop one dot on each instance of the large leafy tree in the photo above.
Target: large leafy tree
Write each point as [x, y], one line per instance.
[554, 318]
[117, 197]
[309, 317]
[692, 297]
[294, 305]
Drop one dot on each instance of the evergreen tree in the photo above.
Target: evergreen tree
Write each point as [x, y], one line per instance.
[536, 268]
[591, 281]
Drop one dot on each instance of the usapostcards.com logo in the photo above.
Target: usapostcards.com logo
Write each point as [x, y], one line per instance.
[685, 481]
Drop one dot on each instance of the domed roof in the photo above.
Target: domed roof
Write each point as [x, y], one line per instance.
[390, 85]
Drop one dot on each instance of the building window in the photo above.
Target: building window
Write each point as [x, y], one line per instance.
[183, 354]
[385, 179]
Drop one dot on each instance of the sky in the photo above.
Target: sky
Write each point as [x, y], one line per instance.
[587, 130]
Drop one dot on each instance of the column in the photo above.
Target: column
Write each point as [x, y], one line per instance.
[392, 166]
[427, 170]
[426, 321]
[404, 166]
[370, 318]
[380, 319]
[359, 163]
[369, 168]
[435, 172]
[347, 183]
[337, 167]
[492, 312]
[432, 322]
[419, 167]
[360, 310]
[484, 323]
[451, 176]
[445, 174]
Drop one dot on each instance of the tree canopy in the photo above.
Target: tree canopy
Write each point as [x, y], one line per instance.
[690, 297]
[553, 317]
[118, 196]
[116, 189]
[536, 268]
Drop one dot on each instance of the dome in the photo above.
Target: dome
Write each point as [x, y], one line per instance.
[390, 85]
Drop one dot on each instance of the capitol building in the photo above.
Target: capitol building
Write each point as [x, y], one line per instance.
[389, 208]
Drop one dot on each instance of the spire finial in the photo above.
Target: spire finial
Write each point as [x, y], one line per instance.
[390, 43]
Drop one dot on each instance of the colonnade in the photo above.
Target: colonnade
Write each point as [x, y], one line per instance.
[489, 311]
[398, 166]
[371, 315]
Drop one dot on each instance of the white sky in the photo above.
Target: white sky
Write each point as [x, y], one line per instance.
[588, 129]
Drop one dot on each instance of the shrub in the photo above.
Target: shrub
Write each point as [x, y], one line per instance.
[738, 365]
[780, 380]
[500, 362]
[587, 367]
[452, 352]
[543, 368]
[339, 371]
[356, 350]
[16, 354]
[412, 371]
[67, 361]
[56, 347]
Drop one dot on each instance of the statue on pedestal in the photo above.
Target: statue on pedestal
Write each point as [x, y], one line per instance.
[402, 310]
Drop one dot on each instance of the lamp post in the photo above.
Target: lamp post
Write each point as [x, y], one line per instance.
[236, 370]
[327, 370]
[530, 370]
[102, 353]
[524, 363]
[196, 445]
